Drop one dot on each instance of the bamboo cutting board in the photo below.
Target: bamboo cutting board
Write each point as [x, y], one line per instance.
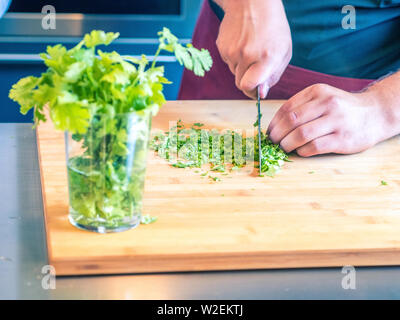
[338, 215]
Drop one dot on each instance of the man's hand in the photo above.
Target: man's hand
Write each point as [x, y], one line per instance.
[323, 119]
[254, 40]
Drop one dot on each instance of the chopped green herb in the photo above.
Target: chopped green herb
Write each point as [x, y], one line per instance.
[256, 124]
[215, 178]
[181, 165]
[219, 167]
[310, 172]
[147, 219]
[194, 147]
[383, 183]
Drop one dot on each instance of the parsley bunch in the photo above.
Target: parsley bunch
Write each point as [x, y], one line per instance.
[85, 81]
[105, 100]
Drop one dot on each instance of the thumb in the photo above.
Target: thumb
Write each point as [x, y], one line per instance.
[259, 74]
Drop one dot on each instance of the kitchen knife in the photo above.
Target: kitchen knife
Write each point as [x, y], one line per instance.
[259, 129]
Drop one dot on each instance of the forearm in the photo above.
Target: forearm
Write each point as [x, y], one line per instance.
[386, 94]
[257, 5]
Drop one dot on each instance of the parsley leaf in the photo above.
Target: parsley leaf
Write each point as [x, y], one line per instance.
[199, 61]
[94, 77]
[98, 37]
[22, 93]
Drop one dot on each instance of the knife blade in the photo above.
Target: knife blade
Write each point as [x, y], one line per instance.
[259, 129]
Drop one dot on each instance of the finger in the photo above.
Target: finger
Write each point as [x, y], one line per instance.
[240, 71]
[299, 98]
[232, 67]
[307, 133]
[321, 145]
[296, 117]
[257, 74]
[228, 59]
[230, 63]
[248, 84]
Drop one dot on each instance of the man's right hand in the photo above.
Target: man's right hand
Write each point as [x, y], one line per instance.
[254, 40]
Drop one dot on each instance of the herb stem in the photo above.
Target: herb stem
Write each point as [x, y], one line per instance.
[155, 57]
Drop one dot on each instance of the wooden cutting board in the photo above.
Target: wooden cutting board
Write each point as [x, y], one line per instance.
[338, 215]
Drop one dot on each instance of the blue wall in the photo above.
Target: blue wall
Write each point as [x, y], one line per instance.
[21, 40]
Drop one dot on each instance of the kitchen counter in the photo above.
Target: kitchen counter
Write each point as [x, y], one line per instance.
[23, 254]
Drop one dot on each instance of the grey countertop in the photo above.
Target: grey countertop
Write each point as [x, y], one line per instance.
[23, 254]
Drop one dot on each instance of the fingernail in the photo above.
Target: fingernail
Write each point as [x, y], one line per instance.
[272, 139]
[269, 129]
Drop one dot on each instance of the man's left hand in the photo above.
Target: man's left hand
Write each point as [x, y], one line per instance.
[323, 119]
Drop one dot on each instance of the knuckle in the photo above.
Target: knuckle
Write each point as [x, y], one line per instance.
[246, 53]
[332, 101]
[303, 134]
[231, 52]
[315, 88]
[266, 55]
[293, 118]
[286, 108]
[319, 88]
[225, 52]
